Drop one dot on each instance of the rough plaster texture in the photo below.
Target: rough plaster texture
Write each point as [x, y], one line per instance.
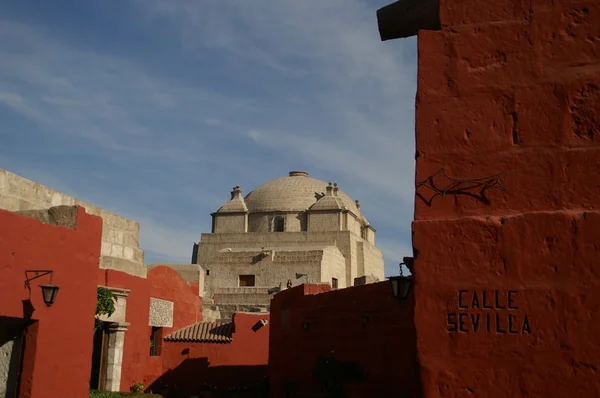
[513, 87]
[161, 313]
[120, 237]
[9, 352]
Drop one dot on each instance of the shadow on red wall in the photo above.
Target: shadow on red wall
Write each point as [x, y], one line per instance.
[240, 365]
[355, 342]
[196, 376]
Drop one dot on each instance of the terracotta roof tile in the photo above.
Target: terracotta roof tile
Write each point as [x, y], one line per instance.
[209, 332]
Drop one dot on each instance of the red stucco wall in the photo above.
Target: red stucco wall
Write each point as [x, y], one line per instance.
[161, 283]
[383, 346]
[513, 87]
[57, 359]
[241, 362]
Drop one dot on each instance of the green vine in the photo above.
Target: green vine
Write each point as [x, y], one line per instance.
[105, 305]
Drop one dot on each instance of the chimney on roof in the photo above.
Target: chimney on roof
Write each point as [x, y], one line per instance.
[329, 190]
[236, 193]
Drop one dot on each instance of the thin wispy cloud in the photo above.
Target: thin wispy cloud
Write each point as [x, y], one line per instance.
[157, 110]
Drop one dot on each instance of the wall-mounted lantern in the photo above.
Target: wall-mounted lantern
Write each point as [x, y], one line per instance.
[401, 285]
[49, 291]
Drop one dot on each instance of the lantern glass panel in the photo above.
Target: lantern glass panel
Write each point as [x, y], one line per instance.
[49, 293]
[404, 287]
[394, 283]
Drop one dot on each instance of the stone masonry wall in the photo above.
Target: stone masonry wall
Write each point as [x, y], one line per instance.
[506, 273]
[270, 271]
[227, 222]
[372, 259]
[261, 222]
[324, 221]
[210, 244]
[333, 265]
[120, 236]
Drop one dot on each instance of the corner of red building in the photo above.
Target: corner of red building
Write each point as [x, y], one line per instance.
[507, 202]
[40, 332]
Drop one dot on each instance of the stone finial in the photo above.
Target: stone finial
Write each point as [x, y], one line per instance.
[329, 189]
[357, 204]
[236, 193]
[335, 189]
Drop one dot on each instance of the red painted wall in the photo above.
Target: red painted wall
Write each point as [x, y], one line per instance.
[513, 87]
[57, 360]
[161, 283]
[241, 362]
[383, 346]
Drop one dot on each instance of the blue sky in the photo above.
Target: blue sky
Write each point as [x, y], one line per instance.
[154, 109]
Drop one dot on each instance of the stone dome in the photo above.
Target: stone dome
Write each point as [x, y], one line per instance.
[297, 192]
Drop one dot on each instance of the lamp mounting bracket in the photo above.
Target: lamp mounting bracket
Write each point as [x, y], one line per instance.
[37, 274]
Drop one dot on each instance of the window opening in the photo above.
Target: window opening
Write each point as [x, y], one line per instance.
[247, 280]
[278, 224]
[155, 337]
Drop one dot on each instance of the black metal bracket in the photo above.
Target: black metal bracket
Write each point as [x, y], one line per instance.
[409, 262]
[38, 274]
[461, 186]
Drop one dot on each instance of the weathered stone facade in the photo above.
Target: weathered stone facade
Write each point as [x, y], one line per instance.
[120, 236]
[289, 231]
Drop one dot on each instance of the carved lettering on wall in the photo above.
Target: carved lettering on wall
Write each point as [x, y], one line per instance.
[161, 313]
[489, 312]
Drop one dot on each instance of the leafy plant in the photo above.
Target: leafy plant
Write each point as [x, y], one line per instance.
[137, 387]
[105, 305]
